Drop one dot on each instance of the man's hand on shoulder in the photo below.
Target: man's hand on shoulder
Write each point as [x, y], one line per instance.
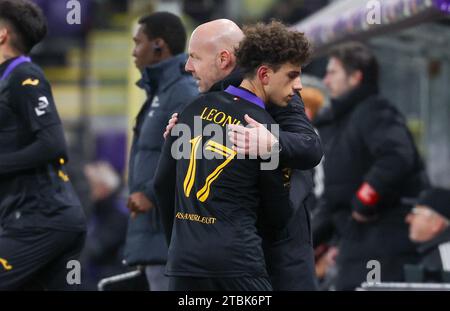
[172, 122]
[254, 140]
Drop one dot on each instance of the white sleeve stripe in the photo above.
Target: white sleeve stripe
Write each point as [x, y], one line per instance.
[444, 250]
[446, 256]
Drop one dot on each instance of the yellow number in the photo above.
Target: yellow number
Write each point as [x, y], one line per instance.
[203, 193]
[229, 154]
[190, 176]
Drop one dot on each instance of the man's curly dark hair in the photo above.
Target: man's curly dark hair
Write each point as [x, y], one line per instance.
[26, 21]
[272, 44]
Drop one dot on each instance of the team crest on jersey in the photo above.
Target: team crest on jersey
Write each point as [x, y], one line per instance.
[29, 81]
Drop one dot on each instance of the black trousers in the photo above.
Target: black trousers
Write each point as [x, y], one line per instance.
[385, 240]
[290, 255]
[219, 284]
[37, 259]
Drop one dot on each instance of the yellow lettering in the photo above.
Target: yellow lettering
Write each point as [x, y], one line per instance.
[211, 114]
[203, 113]
[218, 117]
[229, 120]
[195, 217]
[221, 120]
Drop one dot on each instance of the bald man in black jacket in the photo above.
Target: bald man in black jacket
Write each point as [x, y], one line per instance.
[289, 256]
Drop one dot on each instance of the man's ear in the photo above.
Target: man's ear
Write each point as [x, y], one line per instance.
[356, 78]
[158, 45]
[437, 224]
[263, 73]
[3, 34]
[225, 59]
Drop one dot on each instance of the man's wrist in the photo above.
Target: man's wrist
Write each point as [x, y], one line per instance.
[275, 147]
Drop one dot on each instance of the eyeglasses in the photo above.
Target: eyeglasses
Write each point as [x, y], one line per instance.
[423, 211]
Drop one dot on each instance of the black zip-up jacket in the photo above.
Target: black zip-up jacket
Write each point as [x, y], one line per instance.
[366, 139]
[435, 254]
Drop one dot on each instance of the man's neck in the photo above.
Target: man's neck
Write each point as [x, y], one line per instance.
[164, 56]
[254, 88]
[6, 55]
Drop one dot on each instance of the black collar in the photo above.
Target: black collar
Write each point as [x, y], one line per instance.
[348, 101]
[342, 105]
[234, 78]
[5, 65]
[427, 246]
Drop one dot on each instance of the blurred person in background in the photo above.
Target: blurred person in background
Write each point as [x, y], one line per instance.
[212, 62]
[370, 163]
[42, 225]
[429, 229]
[103, 253]
[315, 98]
[160, 41]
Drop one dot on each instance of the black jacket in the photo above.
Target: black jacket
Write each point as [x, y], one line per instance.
[435, 254]
[365, 139]
[434, 264]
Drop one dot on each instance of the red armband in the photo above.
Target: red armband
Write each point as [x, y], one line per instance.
[367, 195]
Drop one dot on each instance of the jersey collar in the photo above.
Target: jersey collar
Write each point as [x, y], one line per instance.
[247, 95]
[13, 64]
